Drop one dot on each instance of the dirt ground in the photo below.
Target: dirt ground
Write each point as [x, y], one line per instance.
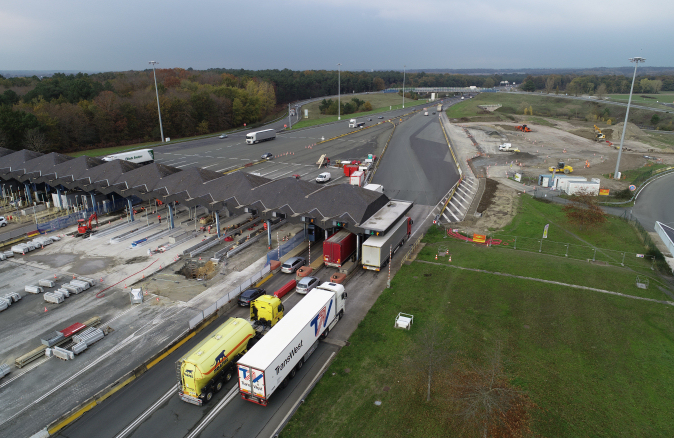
[497, 206]
[546, 146]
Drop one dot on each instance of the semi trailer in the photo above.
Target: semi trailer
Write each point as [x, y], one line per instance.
[256, 137]
[339, 248]
[377, 250]
[277, 357]
[143, 156]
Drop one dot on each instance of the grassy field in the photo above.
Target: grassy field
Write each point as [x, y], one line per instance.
[380, 102]
[650, 99]
[592, 363]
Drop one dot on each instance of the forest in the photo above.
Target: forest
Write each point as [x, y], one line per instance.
[66, 113]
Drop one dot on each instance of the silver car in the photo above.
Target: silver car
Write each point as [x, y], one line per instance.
[292, 264]
[306, 284]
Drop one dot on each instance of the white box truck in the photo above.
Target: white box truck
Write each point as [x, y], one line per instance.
[353, 123]
[357, 178]
[256, 137]
[142, 156]
[376, 249]
[275, 359]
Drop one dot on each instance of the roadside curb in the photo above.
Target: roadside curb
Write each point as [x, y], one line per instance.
[71, 416]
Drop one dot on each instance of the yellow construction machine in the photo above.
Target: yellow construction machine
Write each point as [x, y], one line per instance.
[598, 134]
[561, 168]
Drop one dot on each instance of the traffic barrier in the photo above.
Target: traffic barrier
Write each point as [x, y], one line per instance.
[285, 289]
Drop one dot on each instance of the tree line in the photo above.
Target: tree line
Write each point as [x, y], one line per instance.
[74, 112]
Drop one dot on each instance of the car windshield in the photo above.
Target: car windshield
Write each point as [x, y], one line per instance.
[287, 265]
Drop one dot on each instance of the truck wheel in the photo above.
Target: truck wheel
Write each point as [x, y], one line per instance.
[228, 375]
[341, 314]
[218, 386]
[300, 364]
[209, 395]
[292, 373]
[284, 383]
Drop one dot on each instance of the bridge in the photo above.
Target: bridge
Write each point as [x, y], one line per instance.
[443, 90]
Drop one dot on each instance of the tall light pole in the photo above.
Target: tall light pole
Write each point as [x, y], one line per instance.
[404, 67]
[161, 129]
[636, 62]
[339, 92]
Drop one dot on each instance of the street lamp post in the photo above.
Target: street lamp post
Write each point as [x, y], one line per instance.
[404, 67]
[339, 91]
[161, 129]
[636, 61]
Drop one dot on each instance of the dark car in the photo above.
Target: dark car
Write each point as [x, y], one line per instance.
[267, 156]
[250, 295]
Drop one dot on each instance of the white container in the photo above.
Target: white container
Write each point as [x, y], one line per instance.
[8, 254]
[81, 284]
[65, 292]
[46, 283]
[33, 289]
[79, 347]
[264, 368]
[87, 280]
[14, 296]
[3, 306]
[73, 289]
[53, 298]
[2, 256]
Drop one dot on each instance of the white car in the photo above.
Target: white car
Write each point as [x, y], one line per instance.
[3, 221]
[223, 136]
[323, 177]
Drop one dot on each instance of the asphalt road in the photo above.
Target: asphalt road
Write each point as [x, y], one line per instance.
[295, 152]
[652, 204]
[417, 165]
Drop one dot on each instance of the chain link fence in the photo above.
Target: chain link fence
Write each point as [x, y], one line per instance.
[573, 251]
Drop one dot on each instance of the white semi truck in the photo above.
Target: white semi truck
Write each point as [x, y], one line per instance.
[353, 123]
[378, 249]
[142, 156]
[256, 137]
[277, 357]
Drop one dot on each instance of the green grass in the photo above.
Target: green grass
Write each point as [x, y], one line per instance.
[539, 121]
[638, 176]
[666, 96]
[593, 363]
[381, 102]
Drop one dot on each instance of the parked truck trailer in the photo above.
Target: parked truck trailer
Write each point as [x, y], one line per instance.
[207, 367]
[142, 156]
[277, 357]
[378, 249]
[256, 137]
[339, 248]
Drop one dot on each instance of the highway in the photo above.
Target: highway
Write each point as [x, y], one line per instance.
[291, 151]
[149, 406]
[417, 165]
[649, 206]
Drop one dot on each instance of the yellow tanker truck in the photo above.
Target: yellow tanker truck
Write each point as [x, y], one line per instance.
[207, 367]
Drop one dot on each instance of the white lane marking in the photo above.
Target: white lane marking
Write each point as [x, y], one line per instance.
[279, 176]
[187, 164]
[147, 413]
[128, 340]
[210, 165]
[24, 371]
[215, 411]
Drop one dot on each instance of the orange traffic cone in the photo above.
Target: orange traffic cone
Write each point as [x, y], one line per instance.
[436, 257]
[45, 309]
[450, 258]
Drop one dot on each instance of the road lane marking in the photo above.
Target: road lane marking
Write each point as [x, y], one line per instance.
[188, 164]
[210, 165]
[211, 415]
[147, 413]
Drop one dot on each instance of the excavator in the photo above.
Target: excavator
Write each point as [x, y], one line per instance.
[523, 128]
[599, 135]
[84, 226]
[561, 168]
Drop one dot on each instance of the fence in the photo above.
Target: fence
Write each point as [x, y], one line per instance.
[284, 249]
[71, 219]
[573, 251]
[233, 294]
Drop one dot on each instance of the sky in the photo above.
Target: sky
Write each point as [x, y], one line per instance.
[317, 34]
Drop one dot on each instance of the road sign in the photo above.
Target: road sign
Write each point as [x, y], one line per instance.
[632, 187]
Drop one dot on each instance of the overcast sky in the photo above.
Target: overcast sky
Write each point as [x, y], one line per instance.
[317, 34]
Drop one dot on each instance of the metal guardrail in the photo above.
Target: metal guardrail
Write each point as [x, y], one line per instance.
[412, 249]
